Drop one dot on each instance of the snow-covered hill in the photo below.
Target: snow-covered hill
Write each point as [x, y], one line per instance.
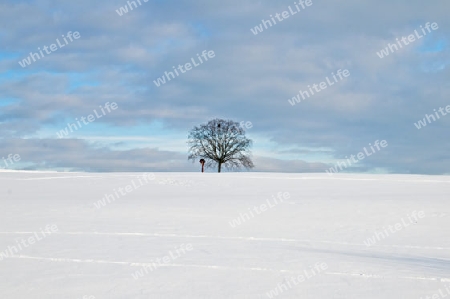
[229, 235]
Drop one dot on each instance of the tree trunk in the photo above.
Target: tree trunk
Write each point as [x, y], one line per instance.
[219, 167]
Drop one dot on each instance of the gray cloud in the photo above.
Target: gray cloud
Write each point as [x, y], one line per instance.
[251, 77]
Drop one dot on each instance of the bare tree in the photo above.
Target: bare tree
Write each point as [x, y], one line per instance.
[220, 142]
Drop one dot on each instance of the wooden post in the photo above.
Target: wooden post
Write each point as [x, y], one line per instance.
[202, 161]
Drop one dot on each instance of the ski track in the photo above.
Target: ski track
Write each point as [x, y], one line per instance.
[231, 238]
[140, 264]
[60, 177]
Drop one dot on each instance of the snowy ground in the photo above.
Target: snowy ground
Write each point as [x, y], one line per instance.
[310, 245]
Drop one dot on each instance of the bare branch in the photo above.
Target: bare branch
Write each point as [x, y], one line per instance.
[222, 143]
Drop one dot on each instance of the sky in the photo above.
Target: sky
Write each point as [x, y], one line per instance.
[115, 55]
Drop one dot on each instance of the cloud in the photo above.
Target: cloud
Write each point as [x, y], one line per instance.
[251, 78]
[78, 155]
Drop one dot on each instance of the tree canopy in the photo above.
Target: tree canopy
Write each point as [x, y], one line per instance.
[222, 143]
